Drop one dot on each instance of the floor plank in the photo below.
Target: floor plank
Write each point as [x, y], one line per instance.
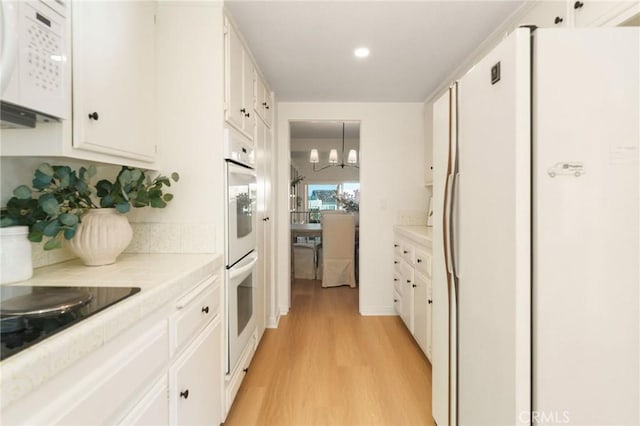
[328, 365]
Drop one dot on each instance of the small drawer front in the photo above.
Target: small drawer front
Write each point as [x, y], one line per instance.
[397, 281]
[397, 302]
[408, 253]
[194, 315]
[407, 274]
[397, 250]
[423, 262]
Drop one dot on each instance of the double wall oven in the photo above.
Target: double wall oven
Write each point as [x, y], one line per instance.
[240, 240]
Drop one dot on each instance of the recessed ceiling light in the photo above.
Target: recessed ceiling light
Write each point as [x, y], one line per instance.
[361, 52]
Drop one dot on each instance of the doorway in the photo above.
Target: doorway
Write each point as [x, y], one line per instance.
[324, 179]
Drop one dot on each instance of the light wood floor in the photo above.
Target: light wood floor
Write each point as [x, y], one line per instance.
[327, 365]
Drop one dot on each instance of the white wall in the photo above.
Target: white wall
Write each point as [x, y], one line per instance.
[391, 180]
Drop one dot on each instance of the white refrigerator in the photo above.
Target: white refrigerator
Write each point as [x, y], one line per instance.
[536, 280]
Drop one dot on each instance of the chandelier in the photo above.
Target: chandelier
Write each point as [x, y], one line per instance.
[352, 157]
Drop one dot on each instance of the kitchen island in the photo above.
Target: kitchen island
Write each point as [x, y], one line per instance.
[119, 362]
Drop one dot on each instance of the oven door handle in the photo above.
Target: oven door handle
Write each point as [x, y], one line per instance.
[236, 272]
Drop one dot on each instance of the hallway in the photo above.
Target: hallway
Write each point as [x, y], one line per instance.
[327, 365]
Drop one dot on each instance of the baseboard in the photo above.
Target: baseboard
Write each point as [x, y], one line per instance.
[377, 311]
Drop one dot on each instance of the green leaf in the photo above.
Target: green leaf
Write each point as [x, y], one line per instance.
[51, 230]
[68, 219]
[41, 180]
[53, 243]
[61, 171]
[7, 221]
[157, 203]
[69, 233]
[175, 176]
[123, 207]
[167, 197]
[91, 171]
[23, 192]
[65, 181]
[136, 174]
[49, 204]
[106, 201]
[45, 168]
[35, 236]
[103, 187]
[124, 177]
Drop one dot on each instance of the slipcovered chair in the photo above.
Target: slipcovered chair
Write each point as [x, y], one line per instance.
[338, 248]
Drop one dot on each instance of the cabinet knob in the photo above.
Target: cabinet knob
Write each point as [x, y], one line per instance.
[405, 251]
[205, 309]
[408, 281]
[243, 110]
[395, 262]
[267, 107]
[395, 300]
[264, 104]
[395, 245]
[429, 301]
[413, 285]
[395, 279]
[247, 115]
[184, 394]
[578, 5]
[557, 20]
[94, 116]
[419, 260]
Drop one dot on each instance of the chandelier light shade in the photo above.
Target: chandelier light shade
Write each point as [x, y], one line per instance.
[333, 156]
[352, 158]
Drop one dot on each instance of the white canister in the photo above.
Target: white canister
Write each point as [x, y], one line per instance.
[15, 251]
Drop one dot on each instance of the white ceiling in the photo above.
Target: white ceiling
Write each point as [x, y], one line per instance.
[305, 47]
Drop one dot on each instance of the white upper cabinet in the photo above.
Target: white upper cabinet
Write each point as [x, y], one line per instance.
[113, 58]
[547, 14]
[264, 104]
[594, 13]
[239, 84]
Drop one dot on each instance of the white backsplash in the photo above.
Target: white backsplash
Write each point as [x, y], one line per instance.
[411, 217]
[189, 238]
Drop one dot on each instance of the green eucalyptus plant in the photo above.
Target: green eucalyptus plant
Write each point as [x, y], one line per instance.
[60, 196]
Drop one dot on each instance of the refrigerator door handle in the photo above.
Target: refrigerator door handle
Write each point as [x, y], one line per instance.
[448, 193]
[453, 233]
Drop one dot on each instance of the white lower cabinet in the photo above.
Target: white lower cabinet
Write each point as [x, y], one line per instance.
[195, 380]
[412, 294]
[153, 409]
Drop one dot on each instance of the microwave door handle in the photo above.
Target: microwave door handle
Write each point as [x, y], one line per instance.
[233, 273]
[9, 15]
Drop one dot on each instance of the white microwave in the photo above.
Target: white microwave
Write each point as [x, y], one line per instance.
[33, 61]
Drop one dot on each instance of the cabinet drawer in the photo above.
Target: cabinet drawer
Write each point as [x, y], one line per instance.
[397, 302]
[397, 249]
[406, 271]
[195, 310]
[408, 253]
[397, 281]
[423, 262]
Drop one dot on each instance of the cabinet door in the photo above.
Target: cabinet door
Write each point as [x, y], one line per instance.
[407, 278]
[547, 14]
[114, 78]
[429, 318]
[593, 13]
[420, 322]
[153, 409]
[248, 91]
[195, 381]
[233, 78]
[260, 100]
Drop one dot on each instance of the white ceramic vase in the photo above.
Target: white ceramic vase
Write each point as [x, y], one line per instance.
[102, 235]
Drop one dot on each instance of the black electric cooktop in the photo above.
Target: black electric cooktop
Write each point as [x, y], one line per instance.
[30, 314]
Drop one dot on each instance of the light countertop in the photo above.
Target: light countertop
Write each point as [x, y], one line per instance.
[161, 278]
[421, 234]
